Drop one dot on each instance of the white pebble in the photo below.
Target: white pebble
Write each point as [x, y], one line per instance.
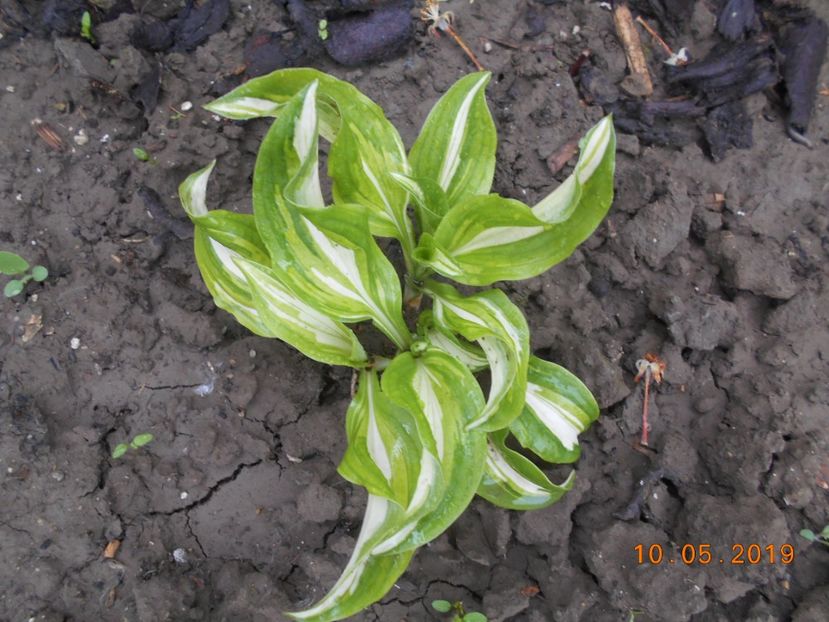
[10, 88]
[180, 556]
[185, 106]
[183, 495]
[80, 138]
[487, 47]
[252, 354]
[74, 343]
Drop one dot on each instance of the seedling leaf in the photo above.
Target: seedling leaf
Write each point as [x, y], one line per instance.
[443, 606]
[120, 450]
[141, 439]
[39, 273]
[13, 288]
[12, 264]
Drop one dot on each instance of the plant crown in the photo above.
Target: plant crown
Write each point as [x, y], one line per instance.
[423, 437]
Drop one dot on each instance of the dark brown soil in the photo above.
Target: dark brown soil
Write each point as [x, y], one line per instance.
[235, 511]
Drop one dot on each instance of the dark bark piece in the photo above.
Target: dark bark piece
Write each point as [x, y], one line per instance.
[197, 22]
[153, 35]
[727, 126]
[63, 16]
[370, 37]
[182, 229]
[145, 93]
[736, 18]
[268, 51]
[804, 46]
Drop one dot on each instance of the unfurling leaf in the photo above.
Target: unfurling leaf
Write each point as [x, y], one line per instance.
[499, 328]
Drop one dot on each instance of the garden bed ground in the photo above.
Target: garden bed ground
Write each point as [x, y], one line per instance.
[240, 480]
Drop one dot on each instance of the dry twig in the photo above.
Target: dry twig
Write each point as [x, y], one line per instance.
[442, 22]
[651, 368]
[639, 81]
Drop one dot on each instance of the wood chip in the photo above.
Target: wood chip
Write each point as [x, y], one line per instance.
[559, 158]
[48, 135]
[111, 549]
[639, 82]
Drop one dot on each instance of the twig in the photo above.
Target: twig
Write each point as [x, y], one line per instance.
[651, 368]
[442, 22]
[655, 35]
[639, 81]
[454, 34]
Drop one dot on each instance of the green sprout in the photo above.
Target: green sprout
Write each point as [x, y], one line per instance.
[425, 435]
[460, 614]
[142, 154]
[138, 441]
[86, 27]
[12, 264]
[322, 29]
[811, 536]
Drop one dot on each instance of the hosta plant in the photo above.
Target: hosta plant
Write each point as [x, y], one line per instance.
[423, 436]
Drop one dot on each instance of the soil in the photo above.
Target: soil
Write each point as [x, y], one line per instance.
[235, 511]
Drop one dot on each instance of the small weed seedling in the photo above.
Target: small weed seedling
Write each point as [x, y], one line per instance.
[14, 265]
[322, 29]
[458, 611]
[138, 441]
[86, 27]
[143, 155]
[811, 536]
[423, 437]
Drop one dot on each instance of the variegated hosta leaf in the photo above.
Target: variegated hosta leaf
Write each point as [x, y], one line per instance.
[464, 351]
[233, 262]
[456, 146]
[559, 407]
[513, 482]
[367, 577]
[445, 398]
[499, 327]
[488, 238]
[366, 148]
[430, 201]
[384, 446]
[326, 254]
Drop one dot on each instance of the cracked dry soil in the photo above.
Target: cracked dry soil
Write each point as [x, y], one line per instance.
[240, 480]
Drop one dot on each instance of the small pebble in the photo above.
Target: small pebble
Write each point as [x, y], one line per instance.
[57, 476]
[487, 47]
[186, 106]
[180, 556]
[10, 88]
[183, 496]
[80, 138]
[252, 354]
[74, 343]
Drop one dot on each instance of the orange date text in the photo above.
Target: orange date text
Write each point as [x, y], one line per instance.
[702, 554]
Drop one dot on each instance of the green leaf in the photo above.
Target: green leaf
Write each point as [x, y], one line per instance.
[13, 288]
[216, 260]
[474, 617]
[456, 146]
[511, 481]
[384, 453]
[326, 254]
[808, 534]
[289, 318]
[120, 450]
[430, 201]
[366, 148]
[141, 439]
[367, 577]
[443, 606]
[444, 398]
[40, 273]
[500, 329]
[141, 154]
[488, 238]
[558, 408]
[11, 263]
[464, 351]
